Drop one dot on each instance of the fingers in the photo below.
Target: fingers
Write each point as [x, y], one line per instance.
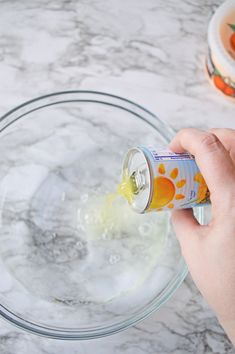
[211, 156]
[187, 229]
[227, 138]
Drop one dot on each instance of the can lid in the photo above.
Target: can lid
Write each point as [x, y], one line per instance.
[137, 167]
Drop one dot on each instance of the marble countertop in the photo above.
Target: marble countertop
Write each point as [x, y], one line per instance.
[152, 52]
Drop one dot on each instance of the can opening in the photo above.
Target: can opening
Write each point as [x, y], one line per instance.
[136, 174]
[138, 181]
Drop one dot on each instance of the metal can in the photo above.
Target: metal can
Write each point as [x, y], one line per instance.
[164, 180]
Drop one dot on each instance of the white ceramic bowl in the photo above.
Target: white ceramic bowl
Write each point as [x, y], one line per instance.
[221, 57]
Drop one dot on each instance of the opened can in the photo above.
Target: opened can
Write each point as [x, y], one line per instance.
[164, 180]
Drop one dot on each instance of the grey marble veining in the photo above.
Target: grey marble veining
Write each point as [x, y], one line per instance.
[152, 52]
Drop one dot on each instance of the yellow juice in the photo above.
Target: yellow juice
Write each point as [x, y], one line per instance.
[126, 187]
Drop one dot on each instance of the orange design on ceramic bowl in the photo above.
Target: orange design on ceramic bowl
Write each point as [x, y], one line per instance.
[232, 37]
[221, 42]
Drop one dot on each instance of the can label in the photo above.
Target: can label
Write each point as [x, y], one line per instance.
[176, 182]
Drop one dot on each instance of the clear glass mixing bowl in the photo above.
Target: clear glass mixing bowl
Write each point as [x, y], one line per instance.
[70, 267]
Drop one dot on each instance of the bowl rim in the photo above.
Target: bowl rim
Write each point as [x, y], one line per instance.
[80, 334]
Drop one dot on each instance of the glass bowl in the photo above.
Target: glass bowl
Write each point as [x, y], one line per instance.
[73, 266]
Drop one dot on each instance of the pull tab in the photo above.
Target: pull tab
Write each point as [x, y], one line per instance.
[138, 181]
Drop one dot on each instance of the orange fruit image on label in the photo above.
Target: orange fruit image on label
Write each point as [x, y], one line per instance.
[203, 193]
[165, 187]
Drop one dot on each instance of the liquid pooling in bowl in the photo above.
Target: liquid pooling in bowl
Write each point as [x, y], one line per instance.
[129, 245]
[111, 251]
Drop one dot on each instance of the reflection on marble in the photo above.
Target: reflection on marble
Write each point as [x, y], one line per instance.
[151, 52]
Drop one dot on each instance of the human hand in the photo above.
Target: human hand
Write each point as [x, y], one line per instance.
[209, 250]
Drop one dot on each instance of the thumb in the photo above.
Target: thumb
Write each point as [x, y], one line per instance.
[187, 230]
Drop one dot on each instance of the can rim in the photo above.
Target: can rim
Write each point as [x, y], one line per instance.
[148, 198]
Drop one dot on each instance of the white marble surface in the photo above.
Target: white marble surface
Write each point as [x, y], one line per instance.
[151, 52]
